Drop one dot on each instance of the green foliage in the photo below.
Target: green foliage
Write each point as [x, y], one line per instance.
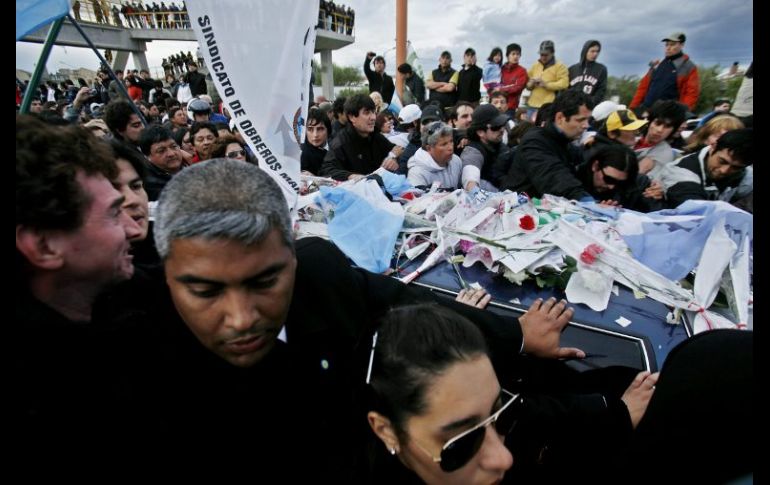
[710, 89]
[351, 91]
[622, 87]
[550, 278]
[732, 88]
[343, 75]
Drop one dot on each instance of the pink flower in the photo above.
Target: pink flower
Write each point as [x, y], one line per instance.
[466, 245]
[590, 253]
[527, 222]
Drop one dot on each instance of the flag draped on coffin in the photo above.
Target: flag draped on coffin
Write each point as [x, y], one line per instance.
[33, 14]
[258, 54]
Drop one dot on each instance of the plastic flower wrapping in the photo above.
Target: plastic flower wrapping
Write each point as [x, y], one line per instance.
[581, 248]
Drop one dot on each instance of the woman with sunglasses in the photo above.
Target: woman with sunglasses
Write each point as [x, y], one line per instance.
[440, 414]
[228, 146]
[437, 408]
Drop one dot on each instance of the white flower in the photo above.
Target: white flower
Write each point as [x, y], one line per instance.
[517, 278]
[593, 280]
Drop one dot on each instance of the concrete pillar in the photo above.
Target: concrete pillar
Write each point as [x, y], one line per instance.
[327, 74]
[120, 61]
[140, 60]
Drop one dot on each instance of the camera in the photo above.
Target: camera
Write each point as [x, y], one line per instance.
[93, 92]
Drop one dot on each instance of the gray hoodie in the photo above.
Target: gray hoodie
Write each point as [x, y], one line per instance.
[423, 170]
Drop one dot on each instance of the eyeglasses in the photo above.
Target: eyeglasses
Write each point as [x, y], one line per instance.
[612, 180]
[496, 127]
[236, 154]
[459, 450]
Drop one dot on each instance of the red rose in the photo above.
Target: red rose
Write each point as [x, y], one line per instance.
[589, 254]
[527, 223]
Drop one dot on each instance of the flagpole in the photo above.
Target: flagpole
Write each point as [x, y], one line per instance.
[53, 32]
[401, 15]
[121, 86]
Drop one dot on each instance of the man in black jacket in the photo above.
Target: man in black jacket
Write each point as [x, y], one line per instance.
[358, 150]
[378, 80]
[197, 80]
[545, 160]
[469, 79]
[72, 242]
[263, 329]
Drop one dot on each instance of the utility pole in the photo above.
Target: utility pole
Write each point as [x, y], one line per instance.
[401, 7]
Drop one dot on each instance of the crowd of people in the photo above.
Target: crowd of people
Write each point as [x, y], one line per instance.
[567, 140]
[336, 18]
[166, 310]
[145, 15]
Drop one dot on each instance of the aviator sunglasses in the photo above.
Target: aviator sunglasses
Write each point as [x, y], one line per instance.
[458, 451]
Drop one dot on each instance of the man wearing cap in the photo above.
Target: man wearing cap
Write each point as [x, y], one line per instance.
[379, 81]
[428, 115]
[547, 76]
[442, 82]
[675, 77]
[481, 153]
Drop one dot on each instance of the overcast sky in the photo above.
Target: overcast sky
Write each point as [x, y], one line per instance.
[718, 32]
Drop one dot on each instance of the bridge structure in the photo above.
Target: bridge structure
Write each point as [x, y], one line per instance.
[132, 39]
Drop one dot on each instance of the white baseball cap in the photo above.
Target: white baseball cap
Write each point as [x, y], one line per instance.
[409, 113]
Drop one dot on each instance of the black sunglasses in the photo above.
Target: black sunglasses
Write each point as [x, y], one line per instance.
[236, 154]
[496, 127]
[612, 180]
[458, 451]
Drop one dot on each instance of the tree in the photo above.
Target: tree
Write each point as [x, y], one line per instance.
[711, 89]
[343, 75]
[622, 87]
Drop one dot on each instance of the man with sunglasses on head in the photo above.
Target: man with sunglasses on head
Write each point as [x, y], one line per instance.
[482, 151]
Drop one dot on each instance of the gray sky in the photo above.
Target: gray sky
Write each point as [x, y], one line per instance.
[718, 32]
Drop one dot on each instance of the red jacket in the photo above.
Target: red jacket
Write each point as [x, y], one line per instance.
[513, 80]
[687, 83]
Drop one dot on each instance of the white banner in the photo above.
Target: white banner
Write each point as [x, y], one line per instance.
[258, 54]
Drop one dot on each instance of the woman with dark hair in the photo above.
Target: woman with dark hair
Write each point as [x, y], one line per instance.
[492, 74]
[434, 395]
[314, 148]
[439, 413]
[130, 183]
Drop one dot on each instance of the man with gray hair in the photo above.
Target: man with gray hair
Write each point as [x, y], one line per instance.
[283, 318]
[435, 161]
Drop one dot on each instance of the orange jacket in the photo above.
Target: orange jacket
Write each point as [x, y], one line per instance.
[687, 83]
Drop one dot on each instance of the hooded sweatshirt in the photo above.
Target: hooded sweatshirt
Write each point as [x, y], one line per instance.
[587, 76]
[423, 170]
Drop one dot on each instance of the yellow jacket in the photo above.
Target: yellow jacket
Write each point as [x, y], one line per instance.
[556, 78]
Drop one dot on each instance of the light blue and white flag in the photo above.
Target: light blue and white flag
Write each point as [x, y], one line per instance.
[33, 14]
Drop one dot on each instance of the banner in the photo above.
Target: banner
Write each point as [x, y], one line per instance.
[33, 14]
[258, 55]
